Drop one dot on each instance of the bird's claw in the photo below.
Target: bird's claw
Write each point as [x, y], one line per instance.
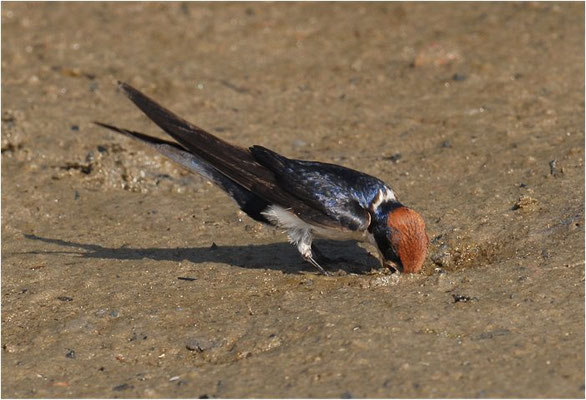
[316, 265]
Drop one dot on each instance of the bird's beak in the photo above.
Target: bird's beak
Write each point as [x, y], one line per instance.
[393, 266]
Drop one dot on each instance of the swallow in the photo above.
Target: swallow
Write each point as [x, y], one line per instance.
[306, 198]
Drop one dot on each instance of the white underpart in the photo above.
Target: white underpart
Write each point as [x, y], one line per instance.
[301, 233]
[382, 196]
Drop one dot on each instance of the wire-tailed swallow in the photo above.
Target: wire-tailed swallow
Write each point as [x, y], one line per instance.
[307, 198]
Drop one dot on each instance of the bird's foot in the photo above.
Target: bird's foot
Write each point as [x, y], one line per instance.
[310, 259]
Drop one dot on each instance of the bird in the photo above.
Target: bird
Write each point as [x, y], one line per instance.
[307, 199]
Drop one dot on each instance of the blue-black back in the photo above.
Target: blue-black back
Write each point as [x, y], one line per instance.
[341, 193]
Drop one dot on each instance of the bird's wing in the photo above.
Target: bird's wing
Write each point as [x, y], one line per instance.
[236, 163]
[233, 161]
[250, 203]
[341, 193]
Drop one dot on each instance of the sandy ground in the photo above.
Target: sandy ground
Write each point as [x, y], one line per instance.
[125, 276]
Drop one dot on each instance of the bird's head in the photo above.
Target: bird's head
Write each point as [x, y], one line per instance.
[408, 241]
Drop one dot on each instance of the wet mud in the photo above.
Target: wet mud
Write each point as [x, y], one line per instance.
[125, 276]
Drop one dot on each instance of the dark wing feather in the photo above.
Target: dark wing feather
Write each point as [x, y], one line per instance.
[234, 162]
[250, 203]
[231, 160]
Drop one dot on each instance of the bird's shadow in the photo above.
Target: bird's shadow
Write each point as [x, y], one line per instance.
[276, 256]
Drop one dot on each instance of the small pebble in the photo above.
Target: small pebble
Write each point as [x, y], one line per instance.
[492, 334]
[436, 54]
[552, 166]
[394, 158]
[186, 278]
[65, 298]
[297, 143]
[526, 203]
[124, 386]
[553, 169]
[458, 298]
[446, 144]
[70, 353]
[459, 77]
[101, 312]
[199, 345]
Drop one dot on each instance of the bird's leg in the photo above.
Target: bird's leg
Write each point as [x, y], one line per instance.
[310, 259]
[303, 239]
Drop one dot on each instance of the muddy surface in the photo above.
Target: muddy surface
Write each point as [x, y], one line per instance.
[125, 276]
